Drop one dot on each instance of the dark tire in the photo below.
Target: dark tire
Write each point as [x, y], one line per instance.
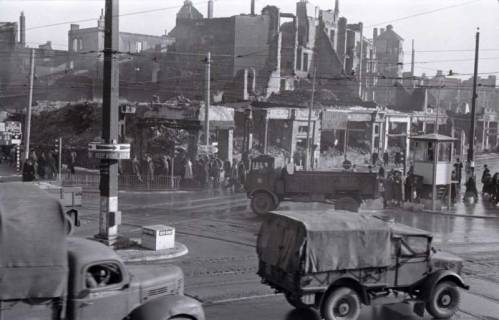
[341, 303]
[295, 302]
[444, 300]
[262, 203]
[348, 204]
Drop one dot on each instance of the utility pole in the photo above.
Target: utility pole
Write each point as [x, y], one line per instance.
[30, 103]
[471, 151]
[309, 157]
[207, 99]
[109, 218]
[59, 161]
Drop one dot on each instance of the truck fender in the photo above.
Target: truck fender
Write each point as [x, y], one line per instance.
[169, 307]
[352, 284]
[442, 275]
[273, 195]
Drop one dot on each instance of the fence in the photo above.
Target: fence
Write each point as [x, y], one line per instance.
[125, 182]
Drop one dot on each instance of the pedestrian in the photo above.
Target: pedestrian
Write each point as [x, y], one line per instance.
[165, 161]
[375, 158]
[215, 170]
[188, 170]
[397, 188]
[458, 167]
[34, 159]
[150, 169]
[471, 190]
[241, 175]
[386, 157]
[42, 166]
[408, 185]
[28, 171]
[72, 163]
[52, 164]
[136, 169]
[485, 174]
[453, 190]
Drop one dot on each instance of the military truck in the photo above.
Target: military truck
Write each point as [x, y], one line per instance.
[267, 186]
[335, 262]
[45, 274]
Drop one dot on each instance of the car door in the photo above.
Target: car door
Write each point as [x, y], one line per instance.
[413, 259]
[104, 296]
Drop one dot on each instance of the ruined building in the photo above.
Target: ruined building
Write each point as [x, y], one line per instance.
[258, 55]
[390, 64]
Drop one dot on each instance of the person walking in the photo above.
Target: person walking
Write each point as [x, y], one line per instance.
[188, 170]
[42, 166]
[458, 167]
[136, 168]
[28, 171]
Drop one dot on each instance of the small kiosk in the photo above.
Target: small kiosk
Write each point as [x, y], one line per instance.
[432, 158]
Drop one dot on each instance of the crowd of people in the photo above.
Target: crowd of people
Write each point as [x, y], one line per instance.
[43, 166]
[398, 188]
[202, 172]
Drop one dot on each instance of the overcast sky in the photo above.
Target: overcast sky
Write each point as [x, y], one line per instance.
[441, 37]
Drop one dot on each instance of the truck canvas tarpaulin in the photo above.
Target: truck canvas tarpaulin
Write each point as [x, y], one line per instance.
[33, 256]
[321, 241]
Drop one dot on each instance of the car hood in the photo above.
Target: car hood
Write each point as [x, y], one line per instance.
[156, 281]
[446, 261]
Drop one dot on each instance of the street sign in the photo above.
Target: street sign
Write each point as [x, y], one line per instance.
[128, 109]
[105, 151]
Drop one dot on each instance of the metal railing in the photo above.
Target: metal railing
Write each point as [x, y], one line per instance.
[125, 182]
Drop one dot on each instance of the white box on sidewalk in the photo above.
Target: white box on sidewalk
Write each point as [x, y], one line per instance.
[158, 237]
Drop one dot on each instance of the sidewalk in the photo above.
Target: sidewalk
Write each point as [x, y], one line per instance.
[129, 248]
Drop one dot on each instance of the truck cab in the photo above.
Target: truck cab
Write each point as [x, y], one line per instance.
[47, 274]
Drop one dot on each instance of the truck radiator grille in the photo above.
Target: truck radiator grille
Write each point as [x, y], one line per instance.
[174, 288]
[157, 291]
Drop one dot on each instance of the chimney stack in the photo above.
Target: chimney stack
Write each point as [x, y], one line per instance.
[252, 7]
[210, 9]
[375, 34]
[22, 26]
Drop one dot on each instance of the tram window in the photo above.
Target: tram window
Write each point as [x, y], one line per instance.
[430, 151]
[444, 152]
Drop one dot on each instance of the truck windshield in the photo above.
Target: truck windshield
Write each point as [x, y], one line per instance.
[414, 246]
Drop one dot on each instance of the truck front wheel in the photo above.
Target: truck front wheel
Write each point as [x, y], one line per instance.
[262, 203]
[444, 300]
[341, 303]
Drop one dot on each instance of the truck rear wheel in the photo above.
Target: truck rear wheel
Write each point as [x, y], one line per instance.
[341, 303]
[444, 300]
[262, 203]
[348, 204]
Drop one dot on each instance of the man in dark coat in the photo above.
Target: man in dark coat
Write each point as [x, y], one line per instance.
[28, 171]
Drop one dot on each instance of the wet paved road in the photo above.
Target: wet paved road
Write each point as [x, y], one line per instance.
[220, 232]
[276, 308]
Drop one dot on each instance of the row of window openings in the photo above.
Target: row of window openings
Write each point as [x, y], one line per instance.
[78, 45]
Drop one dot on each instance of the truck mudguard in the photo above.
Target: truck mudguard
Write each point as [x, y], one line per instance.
[442, 275]
[169, 307]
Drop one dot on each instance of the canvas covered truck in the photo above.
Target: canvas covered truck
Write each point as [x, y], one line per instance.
[47, 275]
[335, 263]
[267, 186]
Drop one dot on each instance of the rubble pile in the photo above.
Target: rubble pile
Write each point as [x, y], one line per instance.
[77, 124]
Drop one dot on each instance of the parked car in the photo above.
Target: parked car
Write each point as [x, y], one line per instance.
[47, 275]
[268, 186]
[335, 262]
